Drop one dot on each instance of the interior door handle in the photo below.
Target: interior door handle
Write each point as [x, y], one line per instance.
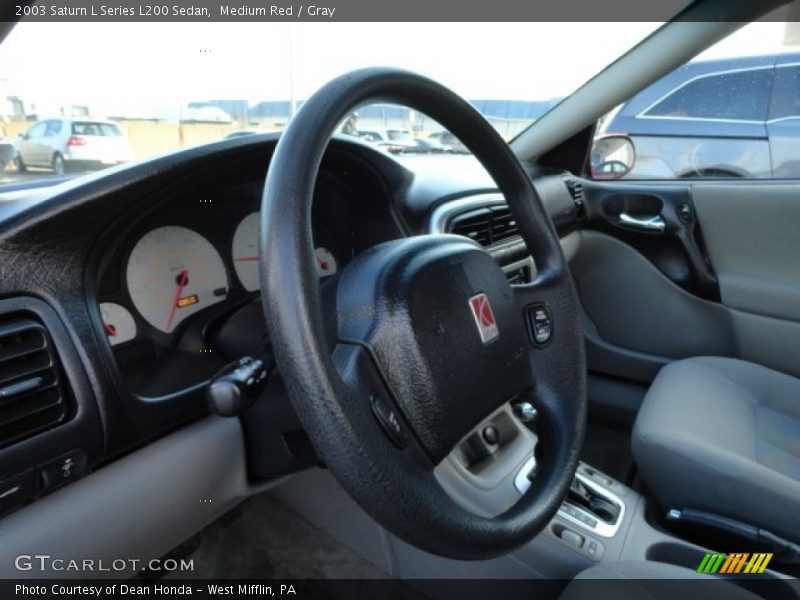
[654, 223]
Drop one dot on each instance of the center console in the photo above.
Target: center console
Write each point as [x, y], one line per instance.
[601, 519]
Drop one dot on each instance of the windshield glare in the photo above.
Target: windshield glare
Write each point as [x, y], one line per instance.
[194, 83]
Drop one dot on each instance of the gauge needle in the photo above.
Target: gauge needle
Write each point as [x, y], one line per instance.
[110, 329]
[323, 264]
[183, 279]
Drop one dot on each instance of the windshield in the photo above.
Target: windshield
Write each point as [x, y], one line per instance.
[117, 97]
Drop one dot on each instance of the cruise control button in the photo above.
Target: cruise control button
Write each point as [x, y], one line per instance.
[540, 324]
[390, 422]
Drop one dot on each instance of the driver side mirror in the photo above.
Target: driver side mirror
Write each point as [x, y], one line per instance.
[612, 157]
[22, 136]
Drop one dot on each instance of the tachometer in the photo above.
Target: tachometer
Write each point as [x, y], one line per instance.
[118, 323]
[245, 252]
[172, 273]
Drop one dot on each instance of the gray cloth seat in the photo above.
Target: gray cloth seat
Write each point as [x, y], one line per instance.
[645, 580]
[723, 435]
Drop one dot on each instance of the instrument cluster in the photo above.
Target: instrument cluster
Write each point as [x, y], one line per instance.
[179, 273]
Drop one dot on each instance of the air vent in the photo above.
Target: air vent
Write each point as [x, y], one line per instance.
[576, 191]
[487, 226]
[31, 393]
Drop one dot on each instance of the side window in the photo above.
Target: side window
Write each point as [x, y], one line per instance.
[737, 96]
[712, 118]
[785, 94]
[53, 128]
[37, 130]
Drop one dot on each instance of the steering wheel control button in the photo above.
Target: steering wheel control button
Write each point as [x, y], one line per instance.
[525, 412]
[389, 420]
[540, 324]
[491, 435]
[64, 469]
[234, 388]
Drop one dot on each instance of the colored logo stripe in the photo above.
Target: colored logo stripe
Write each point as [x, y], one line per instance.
[730, 564]
[758, 563]
[711, 563]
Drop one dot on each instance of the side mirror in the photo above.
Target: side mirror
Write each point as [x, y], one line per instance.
[22, 136]
[612, 156]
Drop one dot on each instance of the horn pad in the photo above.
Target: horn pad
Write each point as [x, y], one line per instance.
[444, 329]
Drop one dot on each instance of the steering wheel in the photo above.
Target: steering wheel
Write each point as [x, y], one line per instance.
[431, 337]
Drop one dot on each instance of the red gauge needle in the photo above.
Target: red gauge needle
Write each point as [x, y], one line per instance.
[110, 330]
[322, 263]
[246, 258]
[183, 279]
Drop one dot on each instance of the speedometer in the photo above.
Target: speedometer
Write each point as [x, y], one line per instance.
[245, 252]
[174, 272]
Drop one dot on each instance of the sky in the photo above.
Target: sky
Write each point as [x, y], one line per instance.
[133, 68]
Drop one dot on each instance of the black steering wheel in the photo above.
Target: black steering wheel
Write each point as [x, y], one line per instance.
[431, 337]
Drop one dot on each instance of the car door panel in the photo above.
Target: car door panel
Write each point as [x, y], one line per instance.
[639, 316]
[634, 306]
[752, 236]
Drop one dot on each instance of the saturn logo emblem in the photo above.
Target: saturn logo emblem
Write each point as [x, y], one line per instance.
[484, 317]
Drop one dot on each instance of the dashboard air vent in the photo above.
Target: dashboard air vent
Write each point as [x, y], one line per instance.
[31, 392]
[487, 226]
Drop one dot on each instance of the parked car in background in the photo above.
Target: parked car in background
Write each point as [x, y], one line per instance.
[449, 141]
[426, 146]
[72, 144]
[7, 153]
[240, 133]
[726, 118]
[243, 133]
[391, 140]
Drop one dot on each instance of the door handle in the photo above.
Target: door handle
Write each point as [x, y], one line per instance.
[655, 223]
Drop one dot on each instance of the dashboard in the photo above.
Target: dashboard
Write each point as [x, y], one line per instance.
[142, 281]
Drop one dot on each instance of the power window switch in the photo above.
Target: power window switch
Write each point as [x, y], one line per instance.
[594, 549]
[573, 538]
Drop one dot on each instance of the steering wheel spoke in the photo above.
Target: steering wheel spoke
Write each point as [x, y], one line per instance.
[372, 407]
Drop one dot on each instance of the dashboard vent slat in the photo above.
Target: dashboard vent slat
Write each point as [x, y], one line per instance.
[487, 226]
[32, 395]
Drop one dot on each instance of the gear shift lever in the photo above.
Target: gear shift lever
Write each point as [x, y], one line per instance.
[584, 497]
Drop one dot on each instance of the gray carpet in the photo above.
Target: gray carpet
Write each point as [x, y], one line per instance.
[270, 541]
